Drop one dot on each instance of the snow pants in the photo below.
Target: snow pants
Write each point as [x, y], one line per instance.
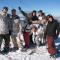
[51, 45]
[26, 39]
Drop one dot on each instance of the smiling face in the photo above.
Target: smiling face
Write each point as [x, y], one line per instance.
[13, 12]
[34, 14]
[50, 19]
[40, 13]
[4, 11]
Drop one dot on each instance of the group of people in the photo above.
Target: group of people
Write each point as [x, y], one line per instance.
[37, 30]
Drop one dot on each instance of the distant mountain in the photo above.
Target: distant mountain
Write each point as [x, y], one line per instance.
[57, 18]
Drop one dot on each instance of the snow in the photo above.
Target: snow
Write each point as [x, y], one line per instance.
[18, 55]
[40, 53]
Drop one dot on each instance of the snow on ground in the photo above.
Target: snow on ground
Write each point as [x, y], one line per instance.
[40, 54]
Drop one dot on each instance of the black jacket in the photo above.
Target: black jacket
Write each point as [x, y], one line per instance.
[51, 29]
[34, 18]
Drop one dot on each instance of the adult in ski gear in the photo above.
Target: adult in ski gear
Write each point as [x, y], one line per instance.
[4, 28]
[52, 31]
[26, 28]
[16, 30]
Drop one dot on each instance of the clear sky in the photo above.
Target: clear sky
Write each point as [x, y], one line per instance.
[48, 6]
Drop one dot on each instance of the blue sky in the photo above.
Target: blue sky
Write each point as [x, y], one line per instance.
[48, 6]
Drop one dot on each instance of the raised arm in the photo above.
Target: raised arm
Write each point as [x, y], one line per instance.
[24, 13]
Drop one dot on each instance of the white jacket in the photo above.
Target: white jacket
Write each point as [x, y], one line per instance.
[4, 24]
